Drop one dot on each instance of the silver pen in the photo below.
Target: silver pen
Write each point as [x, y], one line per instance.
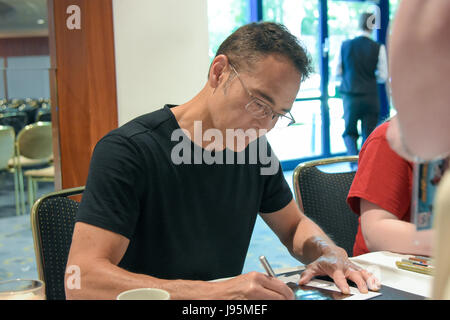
[267, 266]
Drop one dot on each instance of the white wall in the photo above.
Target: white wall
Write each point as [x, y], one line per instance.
[161, 50]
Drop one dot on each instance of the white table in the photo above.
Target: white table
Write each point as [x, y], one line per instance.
[382, 264]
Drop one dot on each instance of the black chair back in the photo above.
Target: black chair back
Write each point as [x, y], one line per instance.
[323, 197]
[53, 221]
[44, 115]
[17, 120]
[31, 112]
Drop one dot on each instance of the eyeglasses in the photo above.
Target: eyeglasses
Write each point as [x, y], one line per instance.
[260, 109]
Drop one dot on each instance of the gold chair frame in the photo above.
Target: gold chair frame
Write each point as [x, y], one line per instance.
[10, 130]
[32, 183]
[18, 165]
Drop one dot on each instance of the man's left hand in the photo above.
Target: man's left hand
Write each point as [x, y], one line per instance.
[336, 265]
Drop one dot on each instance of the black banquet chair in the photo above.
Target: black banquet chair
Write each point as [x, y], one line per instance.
[52, 223]
[29, 110]
[322, 196]
[17, 120]
[44, 114]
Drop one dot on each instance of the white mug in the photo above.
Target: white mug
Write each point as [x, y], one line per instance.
[144, 294]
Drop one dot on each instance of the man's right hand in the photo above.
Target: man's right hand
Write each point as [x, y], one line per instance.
[255, 286]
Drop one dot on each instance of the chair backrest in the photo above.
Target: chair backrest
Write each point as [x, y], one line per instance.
[35, 141]
[31, 111]
[7, 137]
[52, 222]
[17, 120]
[322, 195]
[44, 115]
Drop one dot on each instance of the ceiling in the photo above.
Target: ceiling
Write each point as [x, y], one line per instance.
[23, 18]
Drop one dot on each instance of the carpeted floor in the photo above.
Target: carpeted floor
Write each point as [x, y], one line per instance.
[17, 259]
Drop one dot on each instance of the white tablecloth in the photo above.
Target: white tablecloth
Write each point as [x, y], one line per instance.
[382, 264]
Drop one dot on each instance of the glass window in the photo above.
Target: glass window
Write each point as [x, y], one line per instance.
[343, 18]
[302, 20]
[337, 126]
[224, 17]
[304, 138]
[393, 7]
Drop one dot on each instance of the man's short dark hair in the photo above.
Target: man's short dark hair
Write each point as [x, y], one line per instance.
[256, 40]
[365, 20]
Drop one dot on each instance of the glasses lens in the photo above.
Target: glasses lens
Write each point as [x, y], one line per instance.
[258, 109]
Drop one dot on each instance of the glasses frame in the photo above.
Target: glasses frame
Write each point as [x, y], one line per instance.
[268, 110]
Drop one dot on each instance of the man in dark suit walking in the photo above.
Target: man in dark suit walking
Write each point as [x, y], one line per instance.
[362, 63]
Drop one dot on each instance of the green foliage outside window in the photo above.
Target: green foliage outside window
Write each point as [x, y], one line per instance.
[224, 17]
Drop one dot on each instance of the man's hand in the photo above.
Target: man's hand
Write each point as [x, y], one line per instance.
[255, 286]
[307, 242]
[335, 264]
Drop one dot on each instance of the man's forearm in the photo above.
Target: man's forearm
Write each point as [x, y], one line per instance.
[310, 242]
[103, 280]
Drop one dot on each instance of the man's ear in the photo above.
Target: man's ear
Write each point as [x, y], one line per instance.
[217, 71]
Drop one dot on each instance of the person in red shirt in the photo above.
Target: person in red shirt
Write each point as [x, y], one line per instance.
[381, 195]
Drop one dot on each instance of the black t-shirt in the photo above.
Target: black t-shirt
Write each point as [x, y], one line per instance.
[184, 221]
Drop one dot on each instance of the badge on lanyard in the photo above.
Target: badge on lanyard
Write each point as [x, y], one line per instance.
[426, 179]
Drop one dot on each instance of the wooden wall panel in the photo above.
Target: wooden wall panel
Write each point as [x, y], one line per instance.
[84, 85]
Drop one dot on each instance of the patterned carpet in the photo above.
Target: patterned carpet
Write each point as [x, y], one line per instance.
[17, 258]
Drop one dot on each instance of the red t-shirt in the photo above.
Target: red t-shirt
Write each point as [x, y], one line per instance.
[383, 178]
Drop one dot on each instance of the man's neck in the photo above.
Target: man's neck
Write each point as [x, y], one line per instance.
[194, 117]
[194, 110]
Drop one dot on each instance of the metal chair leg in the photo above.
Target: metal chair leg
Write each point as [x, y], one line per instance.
[16, 192]
[21, 190]
[30, 192]
[35, 187]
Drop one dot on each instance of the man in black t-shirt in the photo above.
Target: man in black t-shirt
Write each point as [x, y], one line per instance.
[172, 196]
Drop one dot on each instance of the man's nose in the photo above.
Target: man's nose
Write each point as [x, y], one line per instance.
[267, 123]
